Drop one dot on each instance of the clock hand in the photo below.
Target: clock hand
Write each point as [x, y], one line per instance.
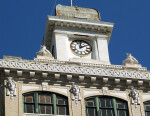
[83, 46]
[80, 44]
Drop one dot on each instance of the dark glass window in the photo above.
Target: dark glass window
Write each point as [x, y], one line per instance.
[147, 108]
[106, 106]
[61, 104]
[121, 108]
[45, 103]
[91, 107]
[29, 104]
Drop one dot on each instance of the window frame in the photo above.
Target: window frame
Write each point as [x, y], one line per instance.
[145, 108]
[53, 103]
[114, 105]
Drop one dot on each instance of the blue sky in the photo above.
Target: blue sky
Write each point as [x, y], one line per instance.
[22, 26]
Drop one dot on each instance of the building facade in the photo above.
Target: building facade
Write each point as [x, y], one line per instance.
[72, 75]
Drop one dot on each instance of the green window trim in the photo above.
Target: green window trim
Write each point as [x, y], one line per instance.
[147, 108]
[36, 103]
[114, 106]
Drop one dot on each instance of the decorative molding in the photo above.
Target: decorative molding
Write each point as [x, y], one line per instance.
[105, 80]
[145, 97]
[140, 83]
[57, 76]
[128, 81]
[44, 86]
[105, 90]
[119, 94]
[32, 74]
[27, 87]
[62, 68]
[81, 78]
[93, 79]
[62, 90]
[7, 72]
[90, 92]
[44, 75]
[69, 77]
[19, 73]
[117, 81]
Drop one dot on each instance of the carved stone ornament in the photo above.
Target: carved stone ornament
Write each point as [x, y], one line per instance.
[63, 68]
[75, 93]
[130, 59]
[134, 95]
[44, 51]
[44, 85]
[105, 90]
[10, 87]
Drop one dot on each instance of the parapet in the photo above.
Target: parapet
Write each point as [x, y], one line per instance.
[77, 12]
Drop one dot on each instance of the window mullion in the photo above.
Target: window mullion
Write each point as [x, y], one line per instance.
[23, 103]
[54, 104]
[97, 106]
[114, 105]
[36, 102]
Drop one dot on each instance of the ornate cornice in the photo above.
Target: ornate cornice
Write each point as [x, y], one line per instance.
[74, 69]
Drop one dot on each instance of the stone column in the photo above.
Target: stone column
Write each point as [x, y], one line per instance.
[103, 49]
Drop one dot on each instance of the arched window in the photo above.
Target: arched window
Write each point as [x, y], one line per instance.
[106, 106]
[147, 108]
[45, 103]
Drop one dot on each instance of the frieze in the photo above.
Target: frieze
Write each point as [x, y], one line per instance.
[63, 68]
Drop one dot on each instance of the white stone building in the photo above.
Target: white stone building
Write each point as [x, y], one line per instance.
[72, 75]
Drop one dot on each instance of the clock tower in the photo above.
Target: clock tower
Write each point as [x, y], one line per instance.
[77, 34]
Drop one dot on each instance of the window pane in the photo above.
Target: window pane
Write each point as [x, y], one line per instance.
[147, 113]
[121, 105]
[91, 112]
[122, 113]
[61, 100]
[107, 112]
[29, 98]
[90, 102]
[45, 109]
[106, 102]
[45, 103]
[29, 108]
[62, 110]
[44, 98]
[48, 98]
[147, 105]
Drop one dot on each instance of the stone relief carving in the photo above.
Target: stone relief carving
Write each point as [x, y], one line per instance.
[10, 87]
[75, 93]
[134, 95]
[74, 69]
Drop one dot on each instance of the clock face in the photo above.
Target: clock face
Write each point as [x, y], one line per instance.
[81, 47]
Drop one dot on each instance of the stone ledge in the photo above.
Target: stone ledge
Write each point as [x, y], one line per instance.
[71, 69]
